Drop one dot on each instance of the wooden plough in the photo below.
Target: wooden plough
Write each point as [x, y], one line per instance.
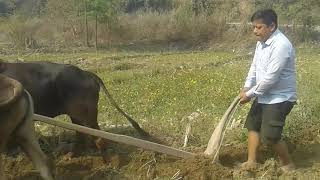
[212, 148]
[116, 137]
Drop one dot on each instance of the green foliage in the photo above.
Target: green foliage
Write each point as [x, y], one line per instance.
[262, 4]
[106, 11]
[64, 9]
[25, 8]
[303, 15]
[203, 6]
[297, 11]
[148, 5]
[184, 14]
[22, 32]
[70, 23]
[160, 5]
[305, 115]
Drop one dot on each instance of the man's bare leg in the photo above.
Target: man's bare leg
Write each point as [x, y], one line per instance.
[282, 151]
[253, 144]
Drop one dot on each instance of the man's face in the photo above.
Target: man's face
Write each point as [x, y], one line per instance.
[261, 30]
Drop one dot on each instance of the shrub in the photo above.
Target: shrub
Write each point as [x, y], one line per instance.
[22, 32]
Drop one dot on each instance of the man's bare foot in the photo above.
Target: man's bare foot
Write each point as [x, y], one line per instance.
[249, 165]
[68, 156]
[288, 168]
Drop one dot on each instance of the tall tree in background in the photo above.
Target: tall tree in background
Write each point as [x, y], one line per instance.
[86, 22]
[104, 12]
[70, 14]
[66, 13]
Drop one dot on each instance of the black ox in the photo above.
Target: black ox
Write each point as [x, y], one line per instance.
[63, 89]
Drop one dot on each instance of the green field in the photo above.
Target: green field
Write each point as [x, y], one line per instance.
[160, 90]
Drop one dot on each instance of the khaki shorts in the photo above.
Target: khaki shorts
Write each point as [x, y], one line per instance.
[268, 119]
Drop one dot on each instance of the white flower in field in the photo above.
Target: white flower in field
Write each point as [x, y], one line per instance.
[193, 116]
[144, 120]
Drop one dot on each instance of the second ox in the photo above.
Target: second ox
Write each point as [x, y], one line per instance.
[16, 113]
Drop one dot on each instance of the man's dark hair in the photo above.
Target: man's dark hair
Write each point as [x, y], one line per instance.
[268, 16]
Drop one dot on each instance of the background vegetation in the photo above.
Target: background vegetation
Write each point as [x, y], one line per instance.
[58, 25]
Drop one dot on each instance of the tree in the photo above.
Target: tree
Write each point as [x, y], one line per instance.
[67, 15]
[104, 12]
[148, 5]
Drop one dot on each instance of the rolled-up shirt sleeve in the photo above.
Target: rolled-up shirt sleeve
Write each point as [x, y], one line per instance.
[278, 60]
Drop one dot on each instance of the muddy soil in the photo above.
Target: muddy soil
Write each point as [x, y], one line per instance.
[128, 162]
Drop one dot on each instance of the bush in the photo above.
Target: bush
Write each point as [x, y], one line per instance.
[178, 25]
[22, 32]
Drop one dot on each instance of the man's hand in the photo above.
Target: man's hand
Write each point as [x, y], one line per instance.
[243, 98]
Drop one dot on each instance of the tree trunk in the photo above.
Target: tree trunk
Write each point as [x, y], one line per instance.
[244, 8]
[96, 44]
[86, 23]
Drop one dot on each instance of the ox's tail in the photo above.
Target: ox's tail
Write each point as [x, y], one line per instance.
[113, 102]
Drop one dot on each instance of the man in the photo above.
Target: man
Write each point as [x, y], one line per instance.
[271, 82]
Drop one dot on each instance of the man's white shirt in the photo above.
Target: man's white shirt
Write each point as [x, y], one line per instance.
[272, 75]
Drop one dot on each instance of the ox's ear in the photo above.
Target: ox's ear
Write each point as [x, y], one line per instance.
[10, 91]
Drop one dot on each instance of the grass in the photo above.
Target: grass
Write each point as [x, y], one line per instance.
[160, 89]
[304, 119]
[164, 89]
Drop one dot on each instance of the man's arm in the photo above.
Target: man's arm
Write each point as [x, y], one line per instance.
[251, 77]
[250, 80]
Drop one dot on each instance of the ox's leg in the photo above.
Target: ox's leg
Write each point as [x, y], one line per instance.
[82, 142]
[2, 176]
[92, 121]
[85, 114]
[8, 122]
[84, 111]
[83, 139]
[3, 137]
[25, 136]
[28, 142]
